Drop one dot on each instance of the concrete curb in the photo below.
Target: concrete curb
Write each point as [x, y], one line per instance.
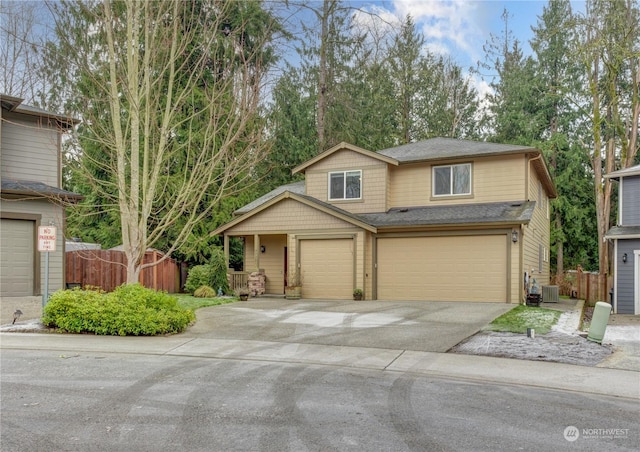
[593, 380]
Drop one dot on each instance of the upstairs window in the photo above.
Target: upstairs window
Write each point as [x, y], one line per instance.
[452, 180]
[345, 185]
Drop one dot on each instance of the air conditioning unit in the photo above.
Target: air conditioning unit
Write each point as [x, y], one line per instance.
[550, 294]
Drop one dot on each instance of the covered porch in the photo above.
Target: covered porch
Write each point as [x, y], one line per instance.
[265, 253]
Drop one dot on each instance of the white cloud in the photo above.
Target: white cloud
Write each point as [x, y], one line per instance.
[454, 24]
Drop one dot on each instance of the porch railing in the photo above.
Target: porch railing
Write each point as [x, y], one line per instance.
[238, 280]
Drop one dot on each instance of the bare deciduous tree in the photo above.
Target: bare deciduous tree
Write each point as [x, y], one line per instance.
[169, 94]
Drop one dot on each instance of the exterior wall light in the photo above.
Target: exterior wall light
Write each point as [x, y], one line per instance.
[514, 236]
[624, 258]
[263, 249]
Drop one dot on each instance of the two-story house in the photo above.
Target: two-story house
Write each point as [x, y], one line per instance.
[30, 196]
[626, 240]
[439, 220]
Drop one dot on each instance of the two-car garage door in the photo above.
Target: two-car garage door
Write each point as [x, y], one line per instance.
[443, 268]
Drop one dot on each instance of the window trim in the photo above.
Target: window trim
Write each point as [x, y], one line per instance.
[344, 174]
[450, 166]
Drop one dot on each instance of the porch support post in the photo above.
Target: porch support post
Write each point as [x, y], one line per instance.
[256, 252]
[226, 252]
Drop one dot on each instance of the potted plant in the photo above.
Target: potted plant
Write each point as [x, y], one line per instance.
[357, 294]
[293, 290]
[243, 293]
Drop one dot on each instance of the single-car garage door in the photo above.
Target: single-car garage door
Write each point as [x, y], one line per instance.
[327, 268]
[16, 258]
[447, 268]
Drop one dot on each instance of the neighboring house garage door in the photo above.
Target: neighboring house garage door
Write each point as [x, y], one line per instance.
[327, 268]
[449, 268]
[16, 258]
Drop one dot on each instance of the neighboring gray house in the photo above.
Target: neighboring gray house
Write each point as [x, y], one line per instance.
[30, 196]
[626, 240]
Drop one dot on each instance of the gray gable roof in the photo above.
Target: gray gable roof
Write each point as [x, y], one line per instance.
[36, 189]
[295, 187]
[631, 171]
[483, 213]
[14, 104]
[449, 148]
[623, 232]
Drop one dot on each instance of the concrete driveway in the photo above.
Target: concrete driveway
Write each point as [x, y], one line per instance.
[411, 325]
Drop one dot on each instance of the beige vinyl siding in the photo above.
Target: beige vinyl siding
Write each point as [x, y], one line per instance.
[29, 151]
[443, 268]
[494, 179]
[517, 281]
[47, 213]
[272, 261]
[537, 233]
[374, 174]
[366, 283]
[285, 216]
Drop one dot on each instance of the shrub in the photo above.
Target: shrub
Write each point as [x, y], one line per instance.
[214, 274]
[204, 292]
[199, 276]
[219, 270]
[129, 310]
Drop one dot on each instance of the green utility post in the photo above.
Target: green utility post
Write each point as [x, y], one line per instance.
[599, 322]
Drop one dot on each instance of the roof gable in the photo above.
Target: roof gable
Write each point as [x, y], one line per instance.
[340, 147]
[307, 200]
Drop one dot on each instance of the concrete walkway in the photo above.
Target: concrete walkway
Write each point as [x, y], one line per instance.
[593, 380]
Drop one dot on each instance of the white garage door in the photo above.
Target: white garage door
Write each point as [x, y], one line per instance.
[327, 268]
[458, 268]
[16, 258]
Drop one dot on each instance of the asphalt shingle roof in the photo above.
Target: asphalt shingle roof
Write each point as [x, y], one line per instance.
[631, 171]
[24, 187]
[500, 212]
[617, 232]
[295, 187]
[445, 148]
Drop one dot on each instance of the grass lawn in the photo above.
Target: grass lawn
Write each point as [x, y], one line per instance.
[193, 303]
[522, 317]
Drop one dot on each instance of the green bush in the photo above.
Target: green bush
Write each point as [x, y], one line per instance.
[214, 274]
[128, 310]
[199, 276]
[204, 292]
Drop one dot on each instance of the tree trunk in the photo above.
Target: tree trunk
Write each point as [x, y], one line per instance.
[322, 76]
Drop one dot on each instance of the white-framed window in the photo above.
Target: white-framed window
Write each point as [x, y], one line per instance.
[345, 185]
[452, 180]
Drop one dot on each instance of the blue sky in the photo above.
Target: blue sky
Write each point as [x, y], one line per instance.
[460, 28]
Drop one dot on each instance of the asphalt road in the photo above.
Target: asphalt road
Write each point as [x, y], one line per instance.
[125, 402]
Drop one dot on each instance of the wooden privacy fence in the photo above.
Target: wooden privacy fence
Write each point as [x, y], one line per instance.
[588, 286]
[107, 269]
